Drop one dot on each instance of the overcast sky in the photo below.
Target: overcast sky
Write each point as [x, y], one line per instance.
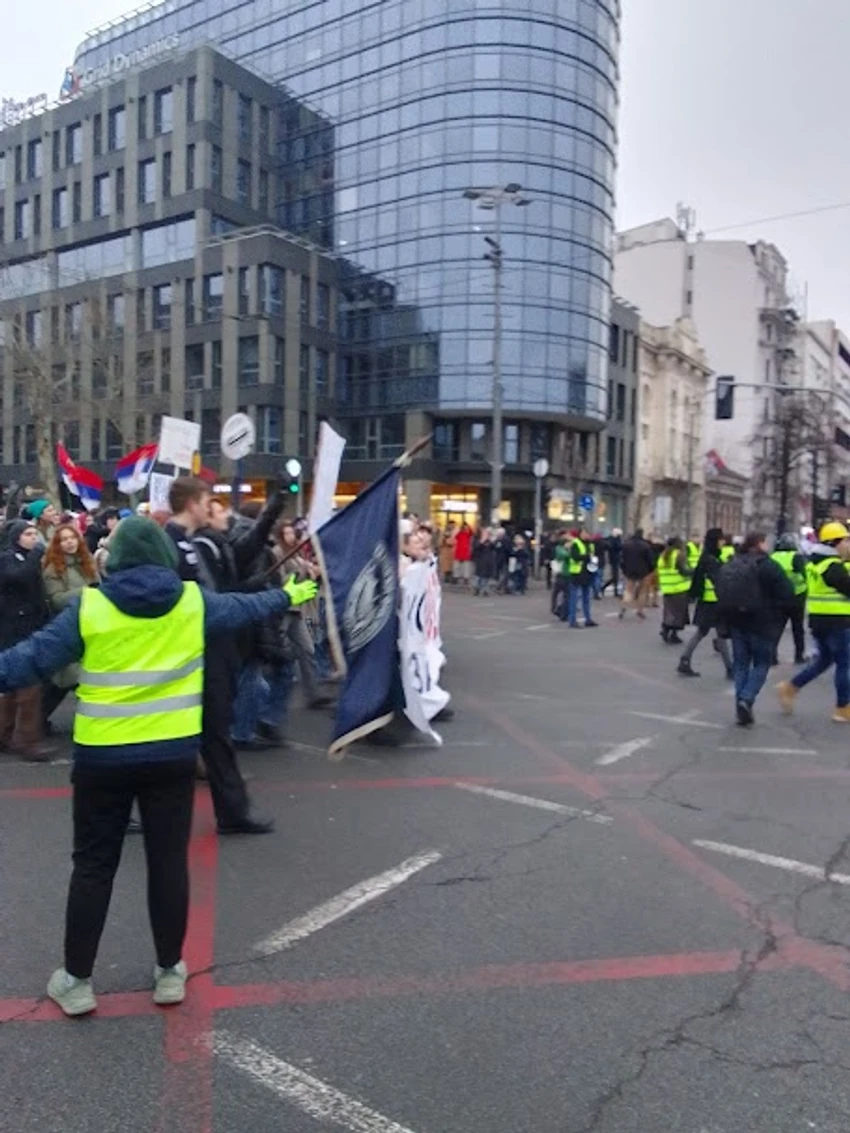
[736, 107]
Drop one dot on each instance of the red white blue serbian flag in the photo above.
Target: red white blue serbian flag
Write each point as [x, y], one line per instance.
[79, 481]
[134, 470]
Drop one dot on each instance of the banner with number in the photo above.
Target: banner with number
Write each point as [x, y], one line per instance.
[419, 646]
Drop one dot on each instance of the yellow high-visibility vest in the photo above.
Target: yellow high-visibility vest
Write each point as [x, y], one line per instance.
[822, 598]
[142, 678]
[785, 559]
[708, 591]
[670, 579]
[693, 554]
[577, 567]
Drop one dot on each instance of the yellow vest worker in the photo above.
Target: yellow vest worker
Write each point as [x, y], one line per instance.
[693, 554]
[140, 643]
[674, 582]
[706, 617]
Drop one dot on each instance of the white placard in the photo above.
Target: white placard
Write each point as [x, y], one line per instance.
[158, 489]
[238, 436]
[325, 476]
[179, 440]
[422, 657]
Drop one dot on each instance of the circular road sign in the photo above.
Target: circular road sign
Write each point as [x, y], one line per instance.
[541, 468]
[238, 436]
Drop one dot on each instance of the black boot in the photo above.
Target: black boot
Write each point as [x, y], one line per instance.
[673, 638]
[684, 669]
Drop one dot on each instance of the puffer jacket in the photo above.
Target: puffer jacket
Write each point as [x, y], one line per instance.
[23, 603]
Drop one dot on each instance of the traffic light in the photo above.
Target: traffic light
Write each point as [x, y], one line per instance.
[292, 480]
[724, 404]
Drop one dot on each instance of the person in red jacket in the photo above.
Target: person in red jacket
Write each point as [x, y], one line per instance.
[463, 555]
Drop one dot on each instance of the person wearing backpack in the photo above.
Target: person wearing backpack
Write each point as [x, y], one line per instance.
[754, 597]
[828, 607]
[786, 554]
[715, 552]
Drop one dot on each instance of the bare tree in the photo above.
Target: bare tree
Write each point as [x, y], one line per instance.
[793, 445]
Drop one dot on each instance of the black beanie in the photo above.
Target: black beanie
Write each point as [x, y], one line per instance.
[140, 542]
[13, 530]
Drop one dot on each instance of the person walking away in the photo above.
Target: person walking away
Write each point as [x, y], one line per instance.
[637, 565]
[674, 582]
[484, 558]
[706, 617]
[68, 568]
[693, 552]
[787, 556]
[140, 641]
[23, 610]
[447, 552]
[462, 569]
[650, 585]
[753, 597]
[599, 552]
[580, 578]
[828, 607]
[615, 558]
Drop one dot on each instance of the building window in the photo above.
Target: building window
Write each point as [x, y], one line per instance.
[540, 441]
[216, 176]
[445, 441]
[191, 86]
[119, 189]
[162, 306]
[216, 364]
[189, 302]
[165, 370]
[36, 215]
[76, 202]
[269, 429]
[210, 432]
[54, 326]
[73, 321]
[163, 111]
[19, 165]
[271, 290]
[190, 167]
[263, 192]
[212, 297]
[166, 174]
[141, 311]
[510, 444]
[279, 361]
[323, 305]
[97, 134]
[614, 343]
[147, 181]
[33, 328]
[60, 208]
[249, 361]
[57, 151]
[218, 103]
[115, 314]
[145, 377]
[264, 129]
[621, 402]
[34, 163]
[101, 202]
[621, 446]
[244, 292]
[22, 219]
[73, 144]
[305, 299]
[633, 409]
[195, 367]
[244, 109]
[478, 441]
[304, 369]
[322, 373]
[243, 182]
[116, 128]
[114, 442]
[142, 118]
[611, 456]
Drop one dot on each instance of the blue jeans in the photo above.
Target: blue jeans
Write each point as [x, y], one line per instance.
[833, 649]
[251, 693]
[752, 654]
[574, 590]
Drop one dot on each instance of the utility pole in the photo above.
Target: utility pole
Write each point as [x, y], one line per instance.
[690, 471]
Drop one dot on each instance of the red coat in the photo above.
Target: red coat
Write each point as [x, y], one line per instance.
[463, 547]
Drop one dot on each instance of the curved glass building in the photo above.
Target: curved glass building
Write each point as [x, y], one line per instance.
[425, 101]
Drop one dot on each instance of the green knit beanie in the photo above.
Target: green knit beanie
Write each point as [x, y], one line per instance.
[140, 542]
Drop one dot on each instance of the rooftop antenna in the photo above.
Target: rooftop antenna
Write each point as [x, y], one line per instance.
[686, 219]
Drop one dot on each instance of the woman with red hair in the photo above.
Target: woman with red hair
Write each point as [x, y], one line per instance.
[68, 568]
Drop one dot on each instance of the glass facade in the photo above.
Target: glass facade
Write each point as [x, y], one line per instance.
[426, 101]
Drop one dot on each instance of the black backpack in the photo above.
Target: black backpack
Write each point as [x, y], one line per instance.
[738, 586]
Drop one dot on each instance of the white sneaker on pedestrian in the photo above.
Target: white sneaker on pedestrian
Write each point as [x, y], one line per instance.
[74, 996]
[170, 984]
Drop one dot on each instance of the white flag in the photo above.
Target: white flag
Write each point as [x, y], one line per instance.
[421, 656]
[325, 476]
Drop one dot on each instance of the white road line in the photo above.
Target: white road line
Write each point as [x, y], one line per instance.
[772, 750]
[488, 636]
[623, 751]
[344, 903]
[688, 718]
[539, 804]
[544, 625]
[312, 1096]
[771, 859]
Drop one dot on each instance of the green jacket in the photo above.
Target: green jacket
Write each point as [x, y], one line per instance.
[62, 589]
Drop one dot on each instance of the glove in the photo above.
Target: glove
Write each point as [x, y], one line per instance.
[300, 592]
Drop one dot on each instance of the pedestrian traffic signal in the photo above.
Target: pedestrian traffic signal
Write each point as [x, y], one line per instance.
[293, 476]
[724, 405]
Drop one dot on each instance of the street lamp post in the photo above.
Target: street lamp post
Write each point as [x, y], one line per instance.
[492, 200]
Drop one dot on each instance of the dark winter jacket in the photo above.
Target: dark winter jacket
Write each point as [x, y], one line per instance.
[837, 576]
[708, 567]
[777, 595]
[637, 560]
[192, 567]
[23, 602]
[615, 551]
[140, 592]
[248, 538]
[484, 555]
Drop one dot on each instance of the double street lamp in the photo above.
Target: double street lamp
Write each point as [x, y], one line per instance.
[492, 200]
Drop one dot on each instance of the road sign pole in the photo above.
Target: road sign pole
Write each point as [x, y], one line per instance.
[538, 523]
[236, 489]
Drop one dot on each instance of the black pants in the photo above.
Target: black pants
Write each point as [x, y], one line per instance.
[227, 787]
[797, 618]
[102, 801]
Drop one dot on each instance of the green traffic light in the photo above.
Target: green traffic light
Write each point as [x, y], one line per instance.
[294, 489]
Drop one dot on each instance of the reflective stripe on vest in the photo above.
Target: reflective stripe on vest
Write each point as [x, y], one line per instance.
[822, 598]
[785, 559]
[142, 679]
[578, 567]
[693, 555]
[708, 592]
[670, 579]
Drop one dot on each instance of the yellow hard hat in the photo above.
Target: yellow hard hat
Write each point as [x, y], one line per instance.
[832, 531]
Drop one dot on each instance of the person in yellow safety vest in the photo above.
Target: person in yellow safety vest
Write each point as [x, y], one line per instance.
[581, 564]
[715, 552]
[828, 607]
[693, 554]
[787, 555]
[140, 641]
[674, 582]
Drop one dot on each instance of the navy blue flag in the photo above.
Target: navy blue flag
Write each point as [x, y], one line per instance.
[358, 552]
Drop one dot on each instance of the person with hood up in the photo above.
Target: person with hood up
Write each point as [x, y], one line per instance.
[140, 640]
[828, 607]
[715, 552]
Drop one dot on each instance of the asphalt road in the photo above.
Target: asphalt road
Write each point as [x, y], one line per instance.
[600, 907]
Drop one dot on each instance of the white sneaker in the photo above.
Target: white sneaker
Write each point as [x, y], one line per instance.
[74, 996]
[170, 984]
